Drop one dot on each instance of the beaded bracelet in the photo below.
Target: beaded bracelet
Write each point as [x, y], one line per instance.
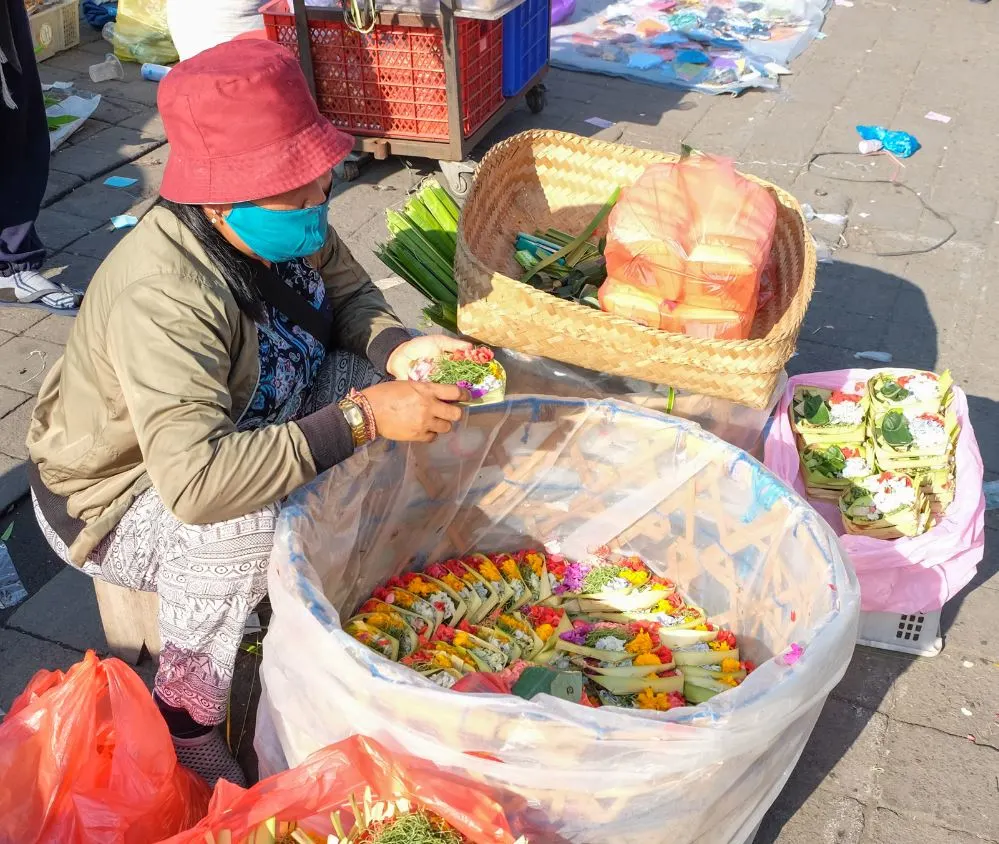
[371, 431]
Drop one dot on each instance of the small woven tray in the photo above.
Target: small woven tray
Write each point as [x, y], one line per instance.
[543, 179]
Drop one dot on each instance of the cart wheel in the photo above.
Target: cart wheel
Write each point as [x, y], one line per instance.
[537, 99]
[459, 176]
[348, 170]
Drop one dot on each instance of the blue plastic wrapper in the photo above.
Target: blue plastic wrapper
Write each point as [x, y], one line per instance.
[901, 144]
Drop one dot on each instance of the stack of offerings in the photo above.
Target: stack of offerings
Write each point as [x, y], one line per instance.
[885, 450]
[632, 636]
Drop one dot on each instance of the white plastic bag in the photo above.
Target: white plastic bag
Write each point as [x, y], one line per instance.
[533, 469]
[196, 26]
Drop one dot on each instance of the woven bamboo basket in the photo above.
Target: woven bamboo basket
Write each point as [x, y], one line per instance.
[540, 179]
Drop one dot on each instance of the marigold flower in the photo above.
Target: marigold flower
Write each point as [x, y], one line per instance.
[729, 665]
[647, 659]
[635, 578]
[650, 700]
[544, 632]
[642, 643]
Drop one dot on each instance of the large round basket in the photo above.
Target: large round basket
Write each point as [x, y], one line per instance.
[541, 179]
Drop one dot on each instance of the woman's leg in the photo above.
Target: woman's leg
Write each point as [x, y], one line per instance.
[209, 578]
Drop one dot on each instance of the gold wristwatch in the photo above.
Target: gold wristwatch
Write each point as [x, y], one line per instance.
[355, 419]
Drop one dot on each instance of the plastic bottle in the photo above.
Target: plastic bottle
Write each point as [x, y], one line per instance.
[154, 72]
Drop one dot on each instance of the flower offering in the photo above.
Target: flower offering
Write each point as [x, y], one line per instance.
[475, 370]
[637, 643]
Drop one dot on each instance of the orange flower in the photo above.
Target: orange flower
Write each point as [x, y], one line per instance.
[641, 644]
[647, 659]
[719, 646]
[489, 571]
[650, 700]
[544, 631]
[729, 665]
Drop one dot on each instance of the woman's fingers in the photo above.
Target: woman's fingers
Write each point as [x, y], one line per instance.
[440, 426]
[448, 392]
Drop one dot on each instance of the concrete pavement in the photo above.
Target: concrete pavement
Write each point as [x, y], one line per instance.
[907, 749]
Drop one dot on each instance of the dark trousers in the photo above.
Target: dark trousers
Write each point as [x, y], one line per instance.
[24, 150]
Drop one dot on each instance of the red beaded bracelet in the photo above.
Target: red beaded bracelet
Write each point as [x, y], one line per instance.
[370, 430]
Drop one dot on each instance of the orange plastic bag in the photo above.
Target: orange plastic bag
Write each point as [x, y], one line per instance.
[686, 247]
[86, 758]
[325, 782]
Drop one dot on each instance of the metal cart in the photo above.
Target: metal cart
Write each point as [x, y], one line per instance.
[452, 153]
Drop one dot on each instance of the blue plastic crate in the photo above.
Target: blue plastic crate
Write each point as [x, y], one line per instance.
[526, 37]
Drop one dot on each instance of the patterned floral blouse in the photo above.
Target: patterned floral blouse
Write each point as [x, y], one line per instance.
[290, 357]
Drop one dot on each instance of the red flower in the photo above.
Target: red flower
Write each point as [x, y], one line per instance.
[886, 476]
[931, 417]
[665, 654]
[837, 396]
[556, 567]
[726, 636]
[444, 634]
[903, 380]
[748, 667]
[676, 602]
[848, 452]
[676, 699]
[464, 626]
[481, 355]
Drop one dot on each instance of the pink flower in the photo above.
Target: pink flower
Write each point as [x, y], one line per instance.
[792, 654]
[420, 371]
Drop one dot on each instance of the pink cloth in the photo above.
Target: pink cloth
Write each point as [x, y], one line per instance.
[913, 574]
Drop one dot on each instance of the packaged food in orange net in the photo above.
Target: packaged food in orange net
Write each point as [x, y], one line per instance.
[686, 247]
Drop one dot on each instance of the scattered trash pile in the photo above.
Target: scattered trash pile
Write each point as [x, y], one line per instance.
[714, 46]
[66, 109]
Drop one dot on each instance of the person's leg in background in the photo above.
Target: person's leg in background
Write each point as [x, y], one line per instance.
[24, 166]
[209, 578]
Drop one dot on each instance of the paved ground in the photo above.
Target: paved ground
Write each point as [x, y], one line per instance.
[907, 749]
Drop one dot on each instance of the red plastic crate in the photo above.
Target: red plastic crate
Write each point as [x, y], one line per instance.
[391, 82]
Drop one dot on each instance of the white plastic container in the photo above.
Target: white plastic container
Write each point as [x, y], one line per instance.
[912, 633]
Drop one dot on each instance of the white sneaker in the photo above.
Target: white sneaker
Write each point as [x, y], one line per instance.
[30, 287]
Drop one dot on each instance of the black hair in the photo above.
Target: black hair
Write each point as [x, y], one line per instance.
[238, 270]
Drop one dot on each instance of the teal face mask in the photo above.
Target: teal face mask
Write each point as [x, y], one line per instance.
[280, 235]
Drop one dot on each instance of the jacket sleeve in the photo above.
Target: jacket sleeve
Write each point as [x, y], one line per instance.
[171, 357]
[363, 321]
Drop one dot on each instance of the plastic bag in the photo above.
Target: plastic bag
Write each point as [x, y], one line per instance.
[533, 469]
[86, 757]
[914, 574]
[686, 246]
[735, 423]
[325, 782]
[196, 26]
[141, 32]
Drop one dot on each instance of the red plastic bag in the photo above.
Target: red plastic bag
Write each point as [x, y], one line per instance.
[86, 758]
[686, 246]
[324, 783]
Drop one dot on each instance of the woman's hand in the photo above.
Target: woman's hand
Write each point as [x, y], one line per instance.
[411, 411]
[428, 347]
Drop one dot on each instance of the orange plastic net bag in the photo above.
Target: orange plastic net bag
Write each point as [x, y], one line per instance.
[686, 247]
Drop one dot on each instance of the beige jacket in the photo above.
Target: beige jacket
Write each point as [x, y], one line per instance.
[160, 366]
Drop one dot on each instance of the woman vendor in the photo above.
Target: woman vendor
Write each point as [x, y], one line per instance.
[228, 350]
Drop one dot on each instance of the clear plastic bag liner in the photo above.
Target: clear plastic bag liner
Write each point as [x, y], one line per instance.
[735, 423]
[912, 574]
[539, 469]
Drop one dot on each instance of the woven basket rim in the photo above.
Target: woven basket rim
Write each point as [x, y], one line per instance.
[785, 329]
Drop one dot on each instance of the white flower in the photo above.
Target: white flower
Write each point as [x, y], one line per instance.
[444, 600]
[923, 388]
[443, 679]
[926, 432]
[494, 660]
[856, 467]
[846, 413]
[609, 643]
